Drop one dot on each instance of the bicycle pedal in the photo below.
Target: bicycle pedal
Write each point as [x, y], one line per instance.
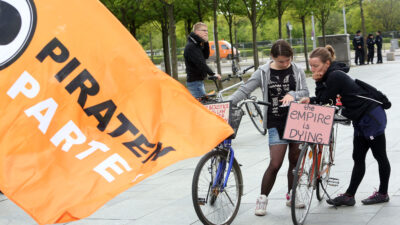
[333, 181]
[201, 201]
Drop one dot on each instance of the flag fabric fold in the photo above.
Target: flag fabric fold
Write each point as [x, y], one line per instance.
[85, 113]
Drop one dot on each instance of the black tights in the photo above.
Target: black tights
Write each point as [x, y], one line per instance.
[277, 154]
[360, 149]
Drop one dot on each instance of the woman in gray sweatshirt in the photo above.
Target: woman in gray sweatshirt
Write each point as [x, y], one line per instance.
[281, 81]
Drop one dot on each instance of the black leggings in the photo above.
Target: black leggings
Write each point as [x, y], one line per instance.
[360, 149]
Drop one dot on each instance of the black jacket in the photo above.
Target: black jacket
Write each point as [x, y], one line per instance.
[370, 43]
[358, 41]
[195, 54]
[337, 82]
[378, 41]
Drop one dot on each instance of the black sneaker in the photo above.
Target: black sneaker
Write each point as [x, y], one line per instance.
[376, 198]
[342, 199]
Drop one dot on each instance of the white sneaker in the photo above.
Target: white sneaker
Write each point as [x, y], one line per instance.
[261, 205]
[299, 204]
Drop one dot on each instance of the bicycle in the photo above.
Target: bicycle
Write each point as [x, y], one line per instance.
[253, 110]
[217, 184]
[312, 171]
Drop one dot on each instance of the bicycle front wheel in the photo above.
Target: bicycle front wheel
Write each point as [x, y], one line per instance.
[326, 162]
[303, 185]
[255, 114]
[324, 171]
[213, 203]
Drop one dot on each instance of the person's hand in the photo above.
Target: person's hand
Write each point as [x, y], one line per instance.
[217, 76]
[305, 100]
[317, 76]
[287, 99]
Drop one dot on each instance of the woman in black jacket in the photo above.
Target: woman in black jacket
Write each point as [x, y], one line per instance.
[368, 117]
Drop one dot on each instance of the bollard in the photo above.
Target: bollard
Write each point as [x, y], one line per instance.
[390, 56]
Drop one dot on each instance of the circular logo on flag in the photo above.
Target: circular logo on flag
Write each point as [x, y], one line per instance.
[17, 26]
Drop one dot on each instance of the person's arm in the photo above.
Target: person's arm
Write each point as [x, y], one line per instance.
[247, 88]
[206, 50]
[329, 90]
[303, 89]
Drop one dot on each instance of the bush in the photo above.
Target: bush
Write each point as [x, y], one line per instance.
[158, 59]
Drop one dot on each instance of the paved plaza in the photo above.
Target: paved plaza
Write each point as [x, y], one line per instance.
[165, 198]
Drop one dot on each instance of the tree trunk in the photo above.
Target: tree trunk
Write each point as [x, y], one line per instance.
[172, 36]
[199, 14]
[323, 22]
[280, 19]
[231, 40]
[216, 43]
[151, 47]
[133, 28]
[303, 22]
[363, 30]
[164, 30]
[254, 31]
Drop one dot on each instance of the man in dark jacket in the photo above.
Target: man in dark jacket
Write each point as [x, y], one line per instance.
[196, 52]
[378, 42]
[370, 46]
[358, 44]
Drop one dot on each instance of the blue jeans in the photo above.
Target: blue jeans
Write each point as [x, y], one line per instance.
[274, 139]
[196, 88]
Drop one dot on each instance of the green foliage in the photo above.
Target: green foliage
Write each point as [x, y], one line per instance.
[379, 15]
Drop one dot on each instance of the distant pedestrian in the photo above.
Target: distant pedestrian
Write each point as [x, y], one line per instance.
[378, 42]
[370, 46]
[358, 45]
[196, 52]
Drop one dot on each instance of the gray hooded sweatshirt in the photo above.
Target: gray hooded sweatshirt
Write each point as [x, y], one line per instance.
[260, 79]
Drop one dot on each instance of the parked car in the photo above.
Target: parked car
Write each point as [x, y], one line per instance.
[225, 50]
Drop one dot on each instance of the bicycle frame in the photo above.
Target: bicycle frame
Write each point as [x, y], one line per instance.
[221, 167]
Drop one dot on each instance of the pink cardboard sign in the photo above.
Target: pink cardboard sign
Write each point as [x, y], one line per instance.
[222, 109]
[309, 123]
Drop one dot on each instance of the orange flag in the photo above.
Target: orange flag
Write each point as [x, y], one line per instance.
[84, 113]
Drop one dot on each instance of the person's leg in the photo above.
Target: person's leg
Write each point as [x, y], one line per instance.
[378, 147]
[293, 156]
[196, 88]
[356, 57]
[372, 55]
[360, 149]
[362, 58]
[379, 55]
[277, 154]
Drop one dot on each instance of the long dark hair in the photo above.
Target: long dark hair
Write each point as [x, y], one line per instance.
[281, 48]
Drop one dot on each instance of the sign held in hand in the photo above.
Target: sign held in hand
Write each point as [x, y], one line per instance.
[309, 123]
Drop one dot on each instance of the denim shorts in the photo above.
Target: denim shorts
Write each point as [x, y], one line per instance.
[273, 138]
[196, 88]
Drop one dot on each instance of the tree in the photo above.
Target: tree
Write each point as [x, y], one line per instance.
[255, 11]
[129, 12]
[323, 9]
[194, 11]
[384, 13]
[303, 9]
[158, 14]
[364, 32]
[228, 8]
[276, 9]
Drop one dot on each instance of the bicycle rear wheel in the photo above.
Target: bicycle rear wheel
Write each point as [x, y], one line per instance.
[212, 204]
[255, 114]
[303, 185]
